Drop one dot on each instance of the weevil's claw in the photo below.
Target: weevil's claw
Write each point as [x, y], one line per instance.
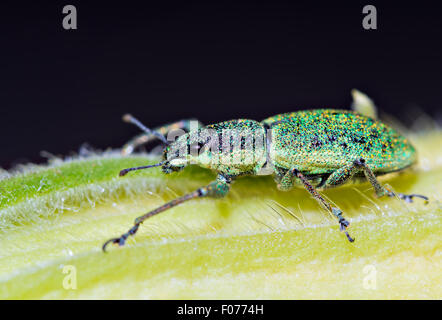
[113, 240]
[343, 225]
[122, 240]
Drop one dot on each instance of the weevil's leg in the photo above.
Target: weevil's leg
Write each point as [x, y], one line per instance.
[144, 138]
[341, 176]
[345, 173]
[217, 189]
[285, 183]
[381, 190]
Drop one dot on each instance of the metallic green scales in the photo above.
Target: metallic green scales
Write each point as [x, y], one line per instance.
[313, 141]
[323, 140]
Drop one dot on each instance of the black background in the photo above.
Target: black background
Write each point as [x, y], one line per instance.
[163, 61]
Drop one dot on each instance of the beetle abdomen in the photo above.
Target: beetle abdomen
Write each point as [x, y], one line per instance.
[322, 140]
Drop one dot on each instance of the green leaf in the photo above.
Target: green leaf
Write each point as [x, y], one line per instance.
[256, 243]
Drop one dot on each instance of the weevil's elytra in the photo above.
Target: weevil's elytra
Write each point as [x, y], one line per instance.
[316, 149]
[322, 141]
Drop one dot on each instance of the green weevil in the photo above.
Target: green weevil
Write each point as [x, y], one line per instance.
[317, 149]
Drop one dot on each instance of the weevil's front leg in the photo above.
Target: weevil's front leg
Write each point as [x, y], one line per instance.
[217, 189]
[380, 189]
[144, 138]
[343, 223]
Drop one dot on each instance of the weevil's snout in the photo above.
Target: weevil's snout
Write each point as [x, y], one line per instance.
[172, 166]
[187, 149]
[174, 161]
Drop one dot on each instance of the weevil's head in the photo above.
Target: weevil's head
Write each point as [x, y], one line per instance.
[188, 148]
[174, 157]
[232, 147]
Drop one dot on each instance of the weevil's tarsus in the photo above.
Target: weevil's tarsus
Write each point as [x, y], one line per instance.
[408, 197]
[129, 118]
[125, 171]
[217, 189]
[343, 225]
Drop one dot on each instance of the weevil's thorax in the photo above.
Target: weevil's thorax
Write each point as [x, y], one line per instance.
[236, 147]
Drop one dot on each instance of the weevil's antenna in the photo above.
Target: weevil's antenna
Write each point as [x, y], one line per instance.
[129, 118]
[125, 171]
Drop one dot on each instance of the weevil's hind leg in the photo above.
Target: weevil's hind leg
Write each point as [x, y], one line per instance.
[347, 172]
[380, 189]
[144, 138]
[217, 189]
[287, 181]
